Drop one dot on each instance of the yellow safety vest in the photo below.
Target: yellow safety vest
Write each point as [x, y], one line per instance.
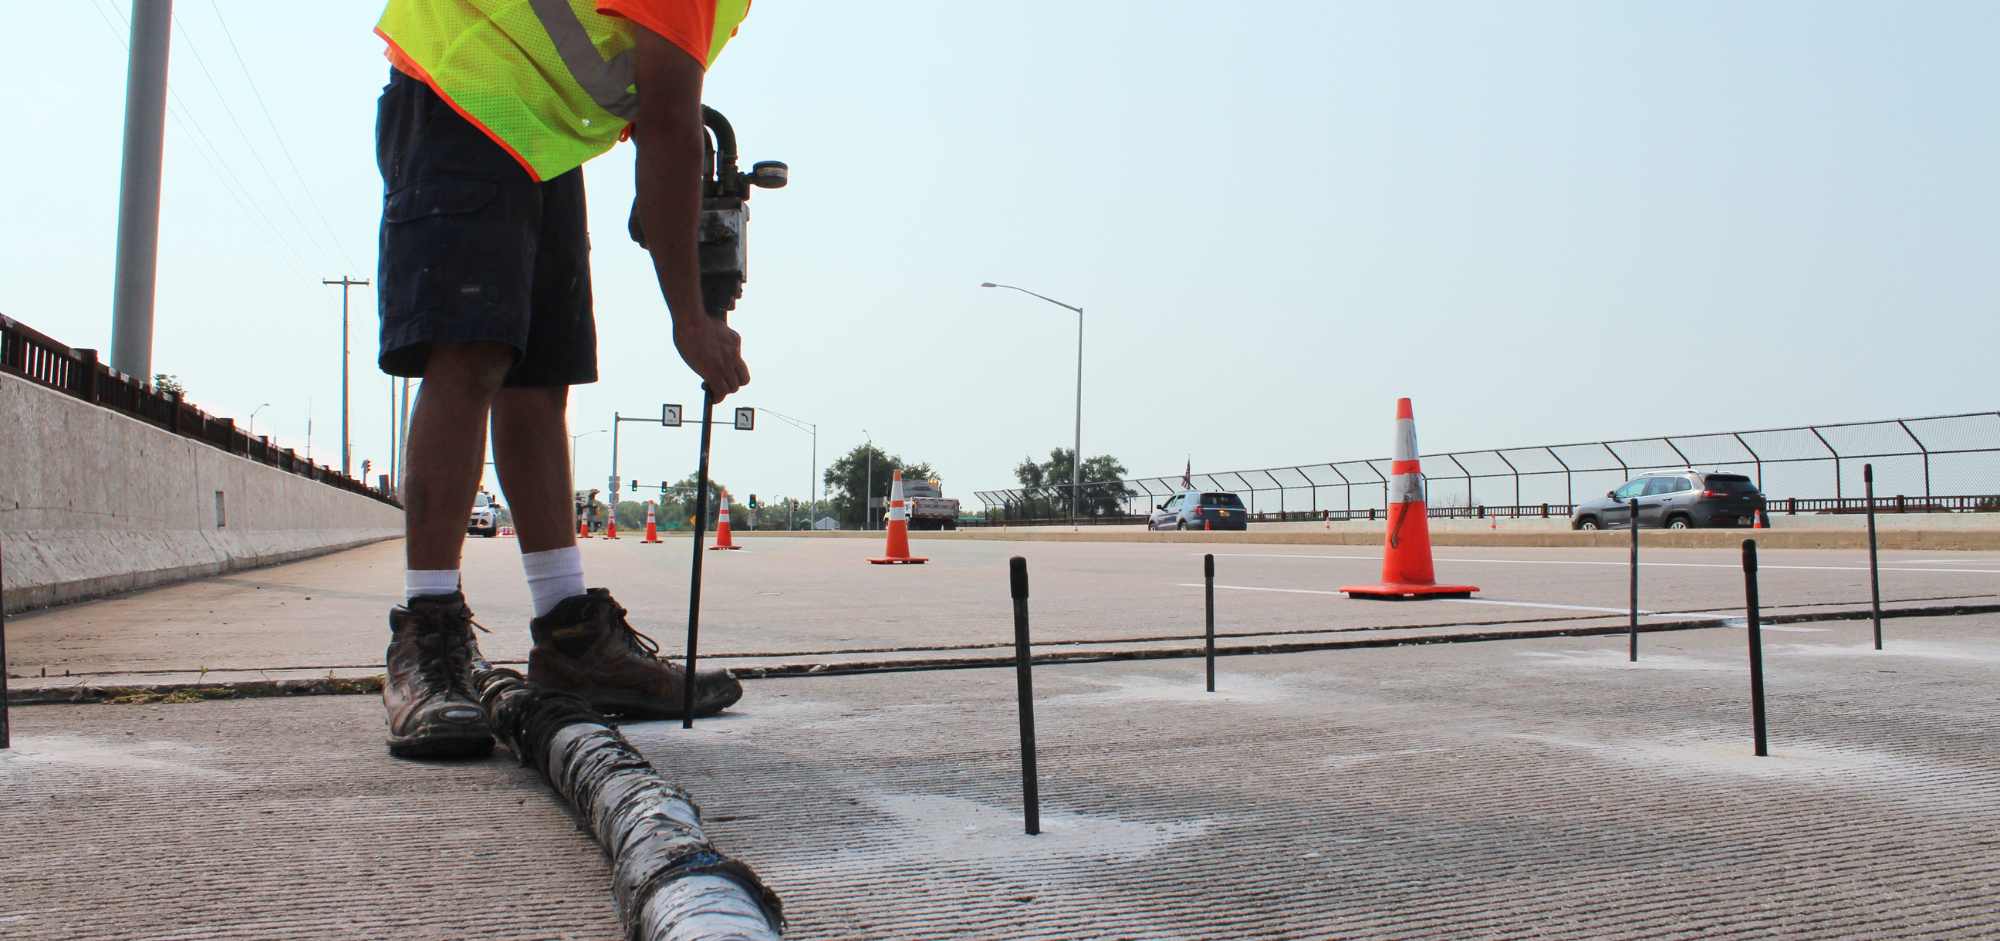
[549, 80]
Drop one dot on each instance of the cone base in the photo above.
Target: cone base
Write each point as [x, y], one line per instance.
[1405, 592]
[906, 560]
[722, 548]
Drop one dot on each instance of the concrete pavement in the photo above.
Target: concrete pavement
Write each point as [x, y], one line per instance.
[801, 603]
[1531, 787]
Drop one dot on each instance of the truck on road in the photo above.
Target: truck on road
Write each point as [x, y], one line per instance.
[928, 507]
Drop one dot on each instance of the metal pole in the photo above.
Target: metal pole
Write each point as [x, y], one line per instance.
[700, 533]
[1031, 800]
[6, 728]
[1874, 571]
[1633, 641]
[139, 190]
[868, 504]
[1208, 593]
[346, 443]
[1756, 648]
[1076, 458]
[615, 422]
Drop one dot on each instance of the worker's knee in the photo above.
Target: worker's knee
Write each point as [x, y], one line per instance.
[473, 370]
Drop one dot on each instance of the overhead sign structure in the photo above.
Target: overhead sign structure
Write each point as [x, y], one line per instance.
[670, 416]
[746, 419]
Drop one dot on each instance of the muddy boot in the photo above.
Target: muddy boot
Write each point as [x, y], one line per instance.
[585, 646]
[433, 711]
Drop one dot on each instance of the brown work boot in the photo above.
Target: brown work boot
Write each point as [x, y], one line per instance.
[433, 712]
[585, 646]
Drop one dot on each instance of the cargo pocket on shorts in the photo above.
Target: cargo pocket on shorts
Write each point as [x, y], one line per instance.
[447, 256]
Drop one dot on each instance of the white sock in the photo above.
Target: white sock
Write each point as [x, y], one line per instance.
[553, 575]
[420, 582]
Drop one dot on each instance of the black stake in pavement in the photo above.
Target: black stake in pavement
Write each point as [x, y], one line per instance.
[1874, 573]
[1031, 799]
[1208, 590]
[1632, 633]
[700, 533]
[1756, 648]
[6, 730]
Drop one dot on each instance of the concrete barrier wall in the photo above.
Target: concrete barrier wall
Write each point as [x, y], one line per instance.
[94, 502]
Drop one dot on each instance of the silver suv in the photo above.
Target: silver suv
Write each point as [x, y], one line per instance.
[1674, 500]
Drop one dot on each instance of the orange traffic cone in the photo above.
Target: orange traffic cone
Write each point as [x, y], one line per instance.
[1757, 519]
[1406, 558]
[582, 529]
[652, 528]
[722, 528]
[611, 526]
[898, 550]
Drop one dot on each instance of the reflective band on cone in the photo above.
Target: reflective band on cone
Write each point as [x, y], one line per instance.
[1406, 555]
[898, 550]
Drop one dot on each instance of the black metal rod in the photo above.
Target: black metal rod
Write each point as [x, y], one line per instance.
[1208, 591]
[1031, 798]
[1756, 648]
[700, 534]
[1874, 571]
[6, 729]
[1632, 632]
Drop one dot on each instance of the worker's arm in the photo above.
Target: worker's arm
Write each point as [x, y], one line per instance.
[669, 135]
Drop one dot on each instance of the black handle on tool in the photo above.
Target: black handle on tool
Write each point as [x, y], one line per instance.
[1208, 599]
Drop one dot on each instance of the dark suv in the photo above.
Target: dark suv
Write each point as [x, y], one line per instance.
[1675, 500]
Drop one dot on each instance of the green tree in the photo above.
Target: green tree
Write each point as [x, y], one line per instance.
[168, 384]
[847, 481]
[1048, 484]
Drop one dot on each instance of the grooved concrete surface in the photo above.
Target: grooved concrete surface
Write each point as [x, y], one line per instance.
[1526, 788]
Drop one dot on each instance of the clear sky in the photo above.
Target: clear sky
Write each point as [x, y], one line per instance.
[1545, 221]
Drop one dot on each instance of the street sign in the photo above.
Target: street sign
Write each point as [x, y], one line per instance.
[746, 419]
[670, 416]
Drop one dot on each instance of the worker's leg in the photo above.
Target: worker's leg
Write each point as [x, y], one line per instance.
[447, 451]
[459, 226]
[530, 450]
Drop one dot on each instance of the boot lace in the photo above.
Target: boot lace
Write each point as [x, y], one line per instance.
[448, 650]
[634, 640]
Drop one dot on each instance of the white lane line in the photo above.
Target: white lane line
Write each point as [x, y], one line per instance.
[1642, 564]
[1490, 601]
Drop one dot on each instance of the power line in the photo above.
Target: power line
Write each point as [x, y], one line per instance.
[248, 144]
[232, 182]
[276, 135]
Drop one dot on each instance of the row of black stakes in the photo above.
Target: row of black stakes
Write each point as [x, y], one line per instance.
[1759, 739]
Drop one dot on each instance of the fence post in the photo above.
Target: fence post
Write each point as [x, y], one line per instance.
[1791, 506]
[83, 385]
[1927, 455]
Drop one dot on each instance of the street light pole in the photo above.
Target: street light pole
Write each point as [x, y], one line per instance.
[813, 481]
[573, 439]
[253, 418]
[868, 481]
[137, 261]
[346, 444]
[1076, 447]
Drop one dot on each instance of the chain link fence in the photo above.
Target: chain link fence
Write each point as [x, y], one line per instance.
[1937, 463]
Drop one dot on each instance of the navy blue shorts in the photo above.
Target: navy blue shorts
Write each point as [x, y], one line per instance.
[474, 250]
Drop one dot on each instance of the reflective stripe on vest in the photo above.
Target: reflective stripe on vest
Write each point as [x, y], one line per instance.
[551, 81]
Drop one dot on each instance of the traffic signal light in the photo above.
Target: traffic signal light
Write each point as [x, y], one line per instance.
[753, 501]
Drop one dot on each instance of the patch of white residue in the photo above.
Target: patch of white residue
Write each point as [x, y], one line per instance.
[1229, 688]
[1609, 658]
[954, 829]
[1891, 647]
[74, 751]
[1712, 756]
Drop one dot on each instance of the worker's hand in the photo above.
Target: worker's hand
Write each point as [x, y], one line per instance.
[714, 351]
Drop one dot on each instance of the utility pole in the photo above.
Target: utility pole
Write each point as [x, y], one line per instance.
[139, 190]
[346, 443]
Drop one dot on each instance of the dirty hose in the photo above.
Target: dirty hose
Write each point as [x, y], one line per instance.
[670, 884]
